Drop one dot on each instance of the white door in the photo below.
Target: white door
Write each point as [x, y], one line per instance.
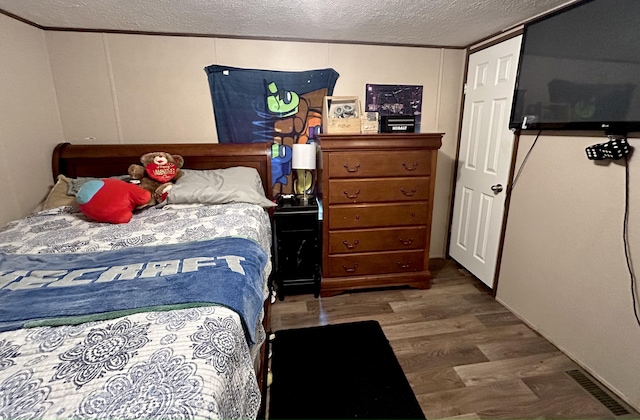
[485, 159]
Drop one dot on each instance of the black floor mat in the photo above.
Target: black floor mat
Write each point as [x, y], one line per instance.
[343, 371]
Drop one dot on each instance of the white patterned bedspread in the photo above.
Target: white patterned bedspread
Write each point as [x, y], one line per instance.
[188, 363]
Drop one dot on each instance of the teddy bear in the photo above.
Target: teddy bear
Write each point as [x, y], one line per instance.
[156, 174]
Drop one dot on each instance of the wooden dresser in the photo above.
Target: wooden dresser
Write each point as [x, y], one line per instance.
[377, 199]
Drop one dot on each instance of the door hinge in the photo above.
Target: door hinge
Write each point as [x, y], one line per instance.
[464, 89]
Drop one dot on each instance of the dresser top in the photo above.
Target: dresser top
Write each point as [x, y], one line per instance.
[395, 141]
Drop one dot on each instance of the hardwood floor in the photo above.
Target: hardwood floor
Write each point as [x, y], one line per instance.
[464, 354]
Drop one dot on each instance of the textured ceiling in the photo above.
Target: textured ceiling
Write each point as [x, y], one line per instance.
[454, 23]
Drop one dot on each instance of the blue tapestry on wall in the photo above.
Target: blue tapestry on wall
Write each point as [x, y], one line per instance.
[284, 107]
[253, 106]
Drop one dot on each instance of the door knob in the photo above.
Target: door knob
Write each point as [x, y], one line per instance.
[496, 188]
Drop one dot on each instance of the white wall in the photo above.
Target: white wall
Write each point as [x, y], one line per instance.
[564, 269]
[29, 120]
[132, 89]
[118, 88]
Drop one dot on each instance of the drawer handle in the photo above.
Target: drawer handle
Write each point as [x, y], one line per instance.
[349, 246]
[357, 217]
[354, 195]
[409, 193]
[407, 242]
[412, 168]
[407, 265]
[346, 166]
[350, 269]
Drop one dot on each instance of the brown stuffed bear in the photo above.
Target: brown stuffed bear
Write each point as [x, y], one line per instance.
[156, 175]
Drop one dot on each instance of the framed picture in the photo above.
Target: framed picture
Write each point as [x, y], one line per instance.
[395, 100]
[341, 115]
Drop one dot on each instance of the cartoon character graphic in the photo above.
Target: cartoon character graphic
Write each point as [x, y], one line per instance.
[257, 105]
[281, 102]
[296, 119]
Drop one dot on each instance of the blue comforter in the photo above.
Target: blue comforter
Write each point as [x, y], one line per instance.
[57, 289]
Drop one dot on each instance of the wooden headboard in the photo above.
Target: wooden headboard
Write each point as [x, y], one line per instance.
[103, 160]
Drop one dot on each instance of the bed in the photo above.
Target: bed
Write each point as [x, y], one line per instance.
[161, 317]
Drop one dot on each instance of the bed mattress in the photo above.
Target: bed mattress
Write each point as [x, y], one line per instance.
[186, 363]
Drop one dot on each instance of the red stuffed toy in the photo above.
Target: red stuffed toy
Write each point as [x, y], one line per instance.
[110, 200]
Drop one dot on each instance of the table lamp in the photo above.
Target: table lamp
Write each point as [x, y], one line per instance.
[304, 159]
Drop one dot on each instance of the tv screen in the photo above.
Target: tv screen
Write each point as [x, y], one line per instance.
[579, 70]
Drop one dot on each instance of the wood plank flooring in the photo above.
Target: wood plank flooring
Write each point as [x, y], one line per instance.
[464, 354]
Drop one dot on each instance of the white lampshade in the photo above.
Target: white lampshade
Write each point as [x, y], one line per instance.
[304, 156]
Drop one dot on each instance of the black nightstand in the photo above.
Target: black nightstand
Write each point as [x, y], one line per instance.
[296, 248]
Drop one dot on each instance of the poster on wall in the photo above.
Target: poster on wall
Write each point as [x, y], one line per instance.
[284, 107]
[395, 100]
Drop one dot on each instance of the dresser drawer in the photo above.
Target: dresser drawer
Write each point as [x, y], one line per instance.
[372, 164]
[375, 263]
[350, 241]
[378, 190]
[374, 215]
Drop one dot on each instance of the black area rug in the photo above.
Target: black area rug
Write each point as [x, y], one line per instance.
[343, 371]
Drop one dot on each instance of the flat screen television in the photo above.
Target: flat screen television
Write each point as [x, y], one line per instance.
[579, 70]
